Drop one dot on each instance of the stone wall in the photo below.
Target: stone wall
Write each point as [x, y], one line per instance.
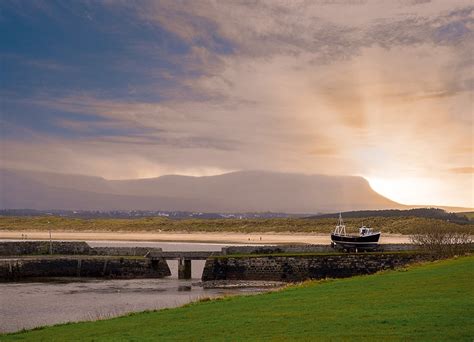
[277, 249]
[110, 267]
[397, 247]
[27, 259]
[299, 268]
[10, 248]
[304, 249]
[124, 251]
[43, 247]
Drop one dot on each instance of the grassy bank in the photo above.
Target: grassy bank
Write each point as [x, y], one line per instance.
[396, 225]
[468, 214]
[429, 302]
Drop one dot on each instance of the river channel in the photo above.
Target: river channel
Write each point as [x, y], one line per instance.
[25, 305]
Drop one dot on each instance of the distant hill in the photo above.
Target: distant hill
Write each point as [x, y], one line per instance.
[434, 213]
[245, 191]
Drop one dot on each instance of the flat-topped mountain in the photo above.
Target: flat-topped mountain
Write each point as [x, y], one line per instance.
[243, 191]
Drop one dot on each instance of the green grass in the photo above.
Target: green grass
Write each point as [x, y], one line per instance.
[468, 214]
[404, 225]
[431, 302]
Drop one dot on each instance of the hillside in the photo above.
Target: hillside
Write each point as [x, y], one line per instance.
[420, 303]
[245, 191]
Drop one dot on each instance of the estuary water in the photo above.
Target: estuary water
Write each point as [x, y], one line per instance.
[25, 305]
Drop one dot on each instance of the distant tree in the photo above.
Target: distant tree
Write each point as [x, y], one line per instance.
[438, 238]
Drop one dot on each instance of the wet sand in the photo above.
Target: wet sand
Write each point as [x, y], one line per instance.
[254, 238]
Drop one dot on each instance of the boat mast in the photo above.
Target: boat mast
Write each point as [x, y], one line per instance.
[341, 227]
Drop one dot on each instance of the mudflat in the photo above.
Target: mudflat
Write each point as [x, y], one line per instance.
[230, 237]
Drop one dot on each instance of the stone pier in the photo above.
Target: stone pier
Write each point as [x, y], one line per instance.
[19, 268]
[184, 259]
[184, 268]
[30, 259]
[300, 267]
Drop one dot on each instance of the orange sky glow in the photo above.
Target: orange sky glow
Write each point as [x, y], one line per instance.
[380, 89]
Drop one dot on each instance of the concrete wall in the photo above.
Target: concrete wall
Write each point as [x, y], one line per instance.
[83, 266]
[298, 268]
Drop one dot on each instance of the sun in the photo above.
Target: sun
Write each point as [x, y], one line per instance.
[408, 190]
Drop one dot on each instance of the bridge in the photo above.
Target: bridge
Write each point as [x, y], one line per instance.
[184, 259]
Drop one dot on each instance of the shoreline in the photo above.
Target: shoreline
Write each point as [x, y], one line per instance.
[204, 237]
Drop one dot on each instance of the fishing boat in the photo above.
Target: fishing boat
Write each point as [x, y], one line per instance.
[367, 238]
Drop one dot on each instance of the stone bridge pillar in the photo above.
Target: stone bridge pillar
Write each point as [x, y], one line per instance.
[184, 268]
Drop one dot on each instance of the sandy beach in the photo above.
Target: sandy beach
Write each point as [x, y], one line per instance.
[231, 237]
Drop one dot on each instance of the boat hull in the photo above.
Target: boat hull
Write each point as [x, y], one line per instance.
[352, 241]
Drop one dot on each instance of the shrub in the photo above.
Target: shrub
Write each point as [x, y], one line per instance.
[442, 239]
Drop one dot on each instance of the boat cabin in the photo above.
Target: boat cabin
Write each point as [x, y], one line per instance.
[363, 231]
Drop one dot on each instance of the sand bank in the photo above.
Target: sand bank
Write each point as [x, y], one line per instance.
[256, 238]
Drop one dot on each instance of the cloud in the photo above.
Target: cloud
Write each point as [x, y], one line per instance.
[462, 170]
[375, 88]
[331, 28]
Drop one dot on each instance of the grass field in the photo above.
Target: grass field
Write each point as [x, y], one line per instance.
[431, 302]
[468, 214]
[155, 224]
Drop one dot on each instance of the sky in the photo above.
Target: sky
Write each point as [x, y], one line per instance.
[137, 89]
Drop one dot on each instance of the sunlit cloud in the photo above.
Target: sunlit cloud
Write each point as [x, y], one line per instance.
[380, 89]
[462, 170]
